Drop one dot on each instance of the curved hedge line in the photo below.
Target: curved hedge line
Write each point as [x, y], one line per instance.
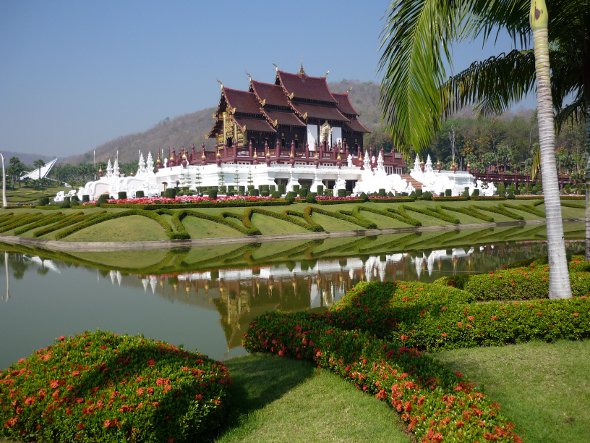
[348, 218]
[471, 211]
[105, 216]
[400, 211]
[432, 400]
[500, 209]
[20, 221]
[288, 218]
[306, 215]
[99, 386]
[222, 220]
[391, 213]
[45, 220]
[435, 213]
[526, 208]
[66, 221]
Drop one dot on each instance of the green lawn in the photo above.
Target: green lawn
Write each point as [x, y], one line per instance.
[543, 388]
[285, 400]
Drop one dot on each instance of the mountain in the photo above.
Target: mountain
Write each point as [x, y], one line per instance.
[27, 159]
[184, 130]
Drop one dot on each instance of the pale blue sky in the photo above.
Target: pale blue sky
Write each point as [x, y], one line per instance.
[75, 74]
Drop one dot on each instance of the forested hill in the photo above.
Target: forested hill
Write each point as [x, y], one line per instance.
[192, 128]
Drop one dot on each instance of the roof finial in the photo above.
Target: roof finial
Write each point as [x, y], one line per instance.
[326, 74]
[301, 70]
[249, 76]
[220, 84]
[276, 67]
[348, 90]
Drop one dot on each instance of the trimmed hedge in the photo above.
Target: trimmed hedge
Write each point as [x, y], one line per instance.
[392, 213]
[432, 400]
[19, 221]
[471, 211]
[99, 386]
[288, 218]
[435, 213]
[530, 209]
[46, 220]
[64, 222]
[367, 224]
[400, 211]
[500, 209]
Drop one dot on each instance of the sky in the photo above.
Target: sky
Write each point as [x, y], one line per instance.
[77, 73]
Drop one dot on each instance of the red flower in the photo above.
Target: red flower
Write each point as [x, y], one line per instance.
[151, 362]
[54, 384]
[29, 400]
[11, 422]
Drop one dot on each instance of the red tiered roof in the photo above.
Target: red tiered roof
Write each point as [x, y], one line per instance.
[242, 101]
[356, 126]
[287, 118]
[344, 104]
[272, 95]
[318, 111]
[253, 124]
[305, 87]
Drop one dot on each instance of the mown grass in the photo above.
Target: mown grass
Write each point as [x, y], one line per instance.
[543, 388]
[285, 400]
[138, 229]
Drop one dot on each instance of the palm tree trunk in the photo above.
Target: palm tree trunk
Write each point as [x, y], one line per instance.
[587, 176]
[559, 283]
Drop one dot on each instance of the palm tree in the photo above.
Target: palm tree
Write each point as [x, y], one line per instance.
[416, 92]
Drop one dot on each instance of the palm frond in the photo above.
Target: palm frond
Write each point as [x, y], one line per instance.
[493, 84]
[574, 111]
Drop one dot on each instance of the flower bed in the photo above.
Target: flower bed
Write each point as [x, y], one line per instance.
[431, 400]
[99, 386]
[189, 201]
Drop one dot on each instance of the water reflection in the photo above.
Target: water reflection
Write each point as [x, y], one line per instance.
[205, 298]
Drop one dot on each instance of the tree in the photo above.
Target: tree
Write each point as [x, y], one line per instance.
[15, 169]
[416, 94]
[39, 164]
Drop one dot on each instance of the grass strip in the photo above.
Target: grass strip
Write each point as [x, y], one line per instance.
[435, 213]
[470, 211]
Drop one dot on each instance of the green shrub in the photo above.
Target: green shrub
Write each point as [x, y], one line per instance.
[212, 194]
[99, 386]
[303, 192]
[466, 193]
[282, 189]
[341, 192]
[364, 197]
[86, 198]
[320, 190]
[102, 198]
[222, 190]
[276, 194]
[170, 193]
[381, 192]
[427, 195]
[310, 197]
[419, 193]
[43, 201]
[448, 192]
[289, 198]
[296, 189]
[66, 203]
[122, 195]
[475, 193]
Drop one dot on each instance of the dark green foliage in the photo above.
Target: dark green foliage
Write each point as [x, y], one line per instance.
[282, 189]
[86, 197]
[320, 190]
[448, 192]
[139, 194]
[122, 195]
[367, 224]
[475, 193]
[286, 216]
[500, 209]
[212, 194]
[102, 198]
[170, 192]
[466, 193]
[45, 220]
[501, 189]
[364, 197]
[341, 192]
[530, 209]
[310, 198]
[303, 192]
[427, 195]
[184, 395]
[289, 198]
[296, 189]
[222, 190]
[43, 201]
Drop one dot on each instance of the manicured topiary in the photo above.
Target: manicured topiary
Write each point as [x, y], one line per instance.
[98, 386]
[43, 201]
[86, 198]
[103, 198]
[122, 195]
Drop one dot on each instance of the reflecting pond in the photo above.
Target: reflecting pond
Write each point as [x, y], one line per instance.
[204, 298]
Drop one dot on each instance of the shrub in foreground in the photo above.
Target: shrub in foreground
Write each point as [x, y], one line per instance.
[99, 386]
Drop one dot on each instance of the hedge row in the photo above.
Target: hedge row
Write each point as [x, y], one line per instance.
[432, 400]
[435, 213]
[307, 217]
[339, 215]
[288, 218]
[204, 204]
[573, 205]
[18, 221]
[99, 386]
[45, 220]
[471, 211]
[64, 222]
[530, 209]
[401, 199]
[223, 220]
[338, 202]
[392, 213]
[105, 216]
[521, 284]
[500, 209]
[405, 217]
